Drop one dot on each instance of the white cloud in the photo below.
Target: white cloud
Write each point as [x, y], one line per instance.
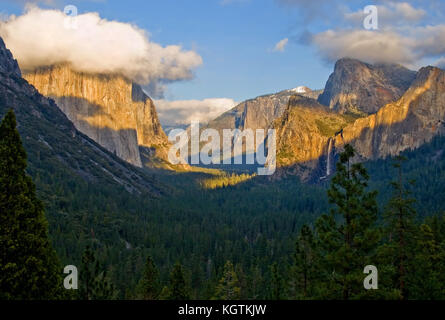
[409, 32]
[391, 46]
[41, 37]
[182, 112]
[390, 14]
[281, 45]
[369, 46]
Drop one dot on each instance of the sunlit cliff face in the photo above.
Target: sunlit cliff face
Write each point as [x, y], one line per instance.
[305, 129]
[109, 109]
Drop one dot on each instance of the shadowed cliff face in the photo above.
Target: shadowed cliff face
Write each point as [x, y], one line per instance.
[361, 88]
[8, 65]
[109, 109]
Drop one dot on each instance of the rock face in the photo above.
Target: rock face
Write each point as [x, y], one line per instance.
[260, 112]
[304, 134]
[8, 65]
[408, 123]
[309, 137]
[109, 109]
[52, 141]
[361, 88]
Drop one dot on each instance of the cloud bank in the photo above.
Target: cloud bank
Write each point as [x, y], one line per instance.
[409, 32]
[182, 112]
[390, 14]
[388, 45]
[90, 44]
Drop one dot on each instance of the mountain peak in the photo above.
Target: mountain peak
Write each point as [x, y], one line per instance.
[361, 88]
[301, 89]
[8, 64]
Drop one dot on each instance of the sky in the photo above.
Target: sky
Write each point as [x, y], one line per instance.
[200, 57]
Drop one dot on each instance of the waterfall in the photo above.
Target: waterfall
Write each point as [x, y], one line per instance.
[328, 158]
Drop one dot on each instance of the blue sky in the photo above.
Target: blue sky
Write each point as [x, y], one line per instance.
[236, 38]
[235, 41]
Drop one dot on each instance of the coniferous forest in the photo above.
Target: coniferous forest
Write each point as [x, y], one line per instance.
[259, 239]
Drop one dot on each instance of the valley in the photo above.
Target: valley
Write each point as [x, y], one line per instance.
[98, 155]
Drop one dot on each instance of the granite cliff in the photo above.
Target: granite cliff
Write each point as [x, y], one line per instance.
[260, 112]
[109, 109]
[407, 123]
[362, 88]
[54, 144]
[310, 135]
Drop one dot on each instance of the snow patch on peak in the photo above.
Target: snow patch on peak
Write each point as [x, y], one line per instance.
[300, 89]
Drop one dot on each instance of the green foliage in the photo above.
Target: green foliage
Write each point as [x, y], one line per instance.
[426, 280]
[148, 287]
[29, 268]
[276, 283]
[348, 237]
[254, 224]
[225, 180]
[178, 288]
[410, 256]
[228, 287]
[399, 218]
[304, 273]
[94, 284]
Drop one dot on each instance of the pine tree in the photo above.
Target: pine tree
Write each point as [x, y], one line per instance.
[348, 237]
[276, 283]
[178, 287]
[164, 294]
[148, 287]
[399, 218]
[304, 269]
[425, 282]
[94, 283]
[29, 268]
[228, 287]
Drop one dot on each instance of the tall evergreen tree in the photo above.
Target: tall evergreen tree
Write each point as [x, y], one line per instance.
[276, 283]
[228, 287]
[148, 287]
[348, 237]
[399, 217]
[303, 272]
[94, 283]
[178, 287]
[29, 268]
[425, 280]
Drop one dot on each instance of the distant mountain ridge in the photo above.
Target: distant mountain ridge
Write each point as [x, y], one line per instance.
[259, 112]
[380, 109]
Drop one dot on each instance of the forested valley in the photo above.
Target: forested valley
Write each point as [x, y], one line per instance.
[259, 239]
